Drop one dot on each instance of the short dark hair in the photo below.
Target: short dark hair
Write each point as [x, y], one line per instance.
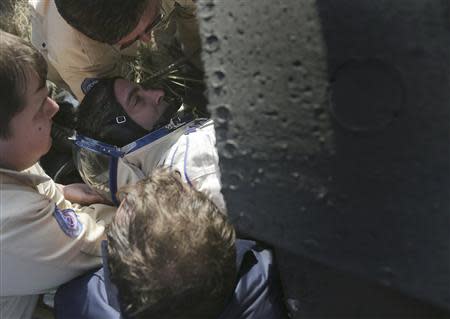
[106, 21]
[17, 59]
[172, 255]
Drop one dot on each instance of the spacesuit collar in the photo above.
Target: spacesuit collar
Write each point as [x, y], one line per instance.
[179, 120]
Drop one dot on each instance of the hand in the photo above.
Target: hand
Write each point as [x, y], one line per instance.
[82, 194]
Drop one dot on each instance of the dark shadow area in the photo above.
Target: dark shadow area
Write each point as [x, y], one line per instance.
[324, 292]
[388, 65]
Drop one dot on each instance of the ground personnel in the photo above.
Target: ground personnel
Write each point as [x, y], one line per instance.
[86, 39]
[44, 239]
[172, 255]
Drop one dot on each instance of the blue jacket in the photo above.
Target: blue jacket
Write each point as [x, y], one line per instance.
[257, 294]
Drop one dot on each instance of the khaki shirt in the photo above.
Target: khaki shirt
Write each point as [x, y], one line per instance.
[73, 57]
[38, 252]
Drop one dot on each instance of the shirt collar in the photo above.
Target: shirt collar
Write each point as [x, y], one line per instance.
[29, 176]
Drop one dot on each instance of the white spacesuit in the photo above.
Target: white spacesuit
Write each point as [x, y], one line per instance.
[185, 144]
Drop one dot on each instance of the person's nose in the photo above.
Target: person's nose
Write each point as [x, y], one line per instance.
[155, 95]
[51, 107]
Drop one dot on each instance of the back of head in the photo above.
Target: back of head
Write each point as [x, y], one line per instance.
[106, 21]
[17, 59]
[172, 253]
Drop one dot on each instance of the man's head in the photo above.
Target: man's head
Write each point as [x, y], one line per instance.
[171, 251]
[112, 21]
[123, 111]
[26, 111]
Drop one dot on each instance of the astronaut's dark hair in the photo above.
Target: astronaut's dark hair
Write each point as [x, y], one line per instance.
[18, 60]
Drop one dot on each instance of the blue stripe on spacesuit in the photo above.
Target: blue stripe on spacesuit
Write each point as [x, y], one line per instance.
[174, 124]
[190, 129]
[145, 140]
[97, 146]
[185, 161]
[114, 151]
[113, 161]
[173, 158]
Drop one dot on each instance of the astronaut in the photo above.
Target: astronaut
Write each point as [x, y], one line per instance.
[125, 131]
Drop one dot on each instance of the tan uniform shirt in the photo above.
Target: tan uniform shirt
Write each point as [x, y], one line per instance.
[38, 251]
[74, 57]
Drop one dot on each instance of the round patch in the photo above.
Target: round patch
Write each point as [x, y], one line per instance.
[68, 221]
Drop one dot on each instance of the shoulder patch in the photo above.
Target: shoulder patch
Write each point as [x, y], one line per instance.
[88, 84]
[68, 221]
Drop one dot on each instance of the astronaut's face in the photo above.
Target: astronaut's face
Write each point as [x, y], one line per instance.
[145, 107]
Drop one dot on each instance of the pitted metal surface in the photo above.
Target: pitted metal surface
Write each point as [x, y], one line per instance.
[332, 122]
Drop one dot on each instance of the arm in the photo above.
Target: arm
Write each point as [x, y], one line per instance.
[188, 31]
[182, 27]
[45, 240]
[81, 193]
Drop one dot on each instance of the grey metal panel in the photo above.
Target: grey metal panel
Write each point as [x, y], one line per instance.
[333, 130]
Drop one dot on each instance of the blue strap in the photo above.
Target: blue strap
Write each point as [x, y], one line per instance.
[113, 162]
[97, 146]
[115, 151]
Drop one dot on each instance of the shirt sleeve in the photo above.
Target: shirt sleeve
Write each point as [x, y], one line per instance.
[45, 241]
[182, 26]
[188, 30]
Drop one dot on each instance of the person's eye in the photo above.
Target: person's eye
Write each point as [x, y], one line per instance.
[137, 100]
